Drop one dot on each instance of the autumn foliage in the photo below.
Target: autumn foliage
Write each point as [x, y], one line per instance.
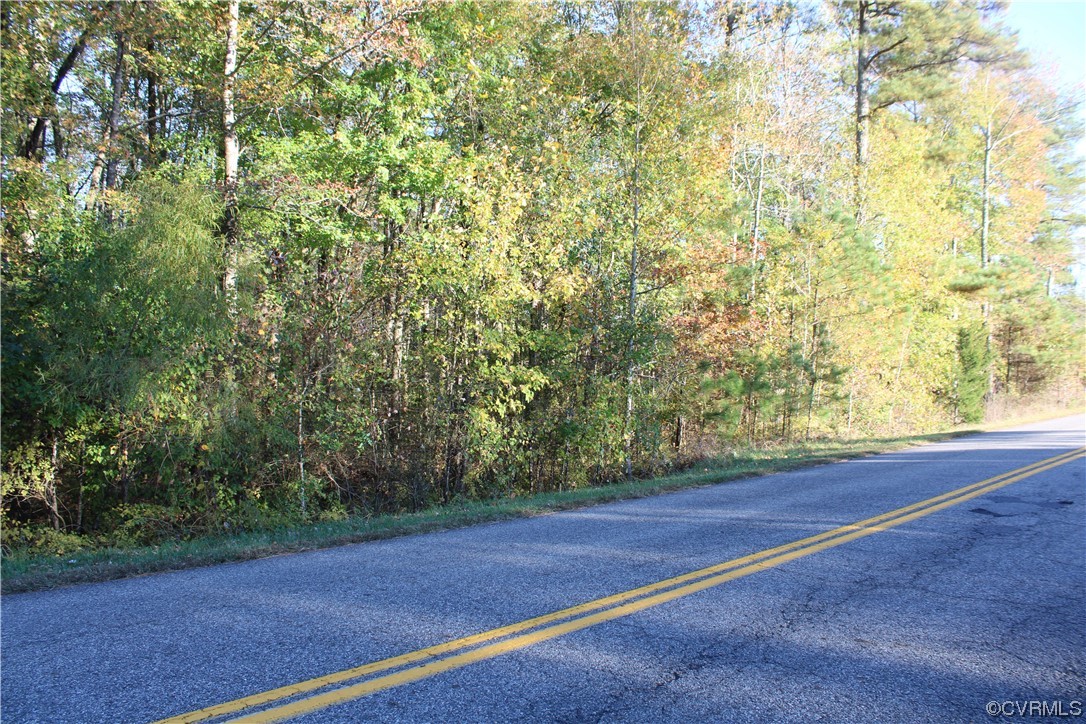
[358, 258]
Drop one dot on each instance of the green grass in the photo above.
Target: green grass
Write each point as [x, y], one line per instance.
[22, 571]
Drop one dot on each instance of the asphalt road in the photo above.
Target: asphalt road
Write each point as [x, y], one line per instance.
[918, 613]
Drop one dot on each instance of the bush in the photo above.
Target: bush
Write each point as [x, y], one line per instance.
[40, 540]
[144, 524]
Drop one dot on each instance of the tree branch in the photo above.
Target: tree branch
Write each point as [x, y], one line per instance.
[34, 140]
[871, 58]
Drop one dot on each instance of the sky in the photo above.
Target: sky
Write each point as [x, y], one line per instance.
[1054, 31]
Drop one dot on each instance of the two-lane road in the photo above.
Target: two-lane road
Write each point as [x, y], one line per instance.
[923, 585]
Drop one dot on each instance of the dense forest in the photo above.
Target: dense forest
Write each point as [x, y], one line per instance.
[268, 261]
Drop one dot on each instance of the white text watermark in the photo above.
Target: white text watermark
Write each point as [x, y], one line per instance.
[1035, 708]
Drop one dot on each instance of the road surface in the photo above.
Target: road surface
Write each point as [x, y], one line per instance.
[942, 583]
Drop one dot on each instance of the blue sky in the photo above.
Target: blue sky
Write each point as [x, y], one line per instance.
[1054, 31]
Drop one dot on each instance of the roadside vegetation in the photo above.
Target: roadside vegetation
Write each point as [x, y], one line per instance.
[67, 559]
[281, 274]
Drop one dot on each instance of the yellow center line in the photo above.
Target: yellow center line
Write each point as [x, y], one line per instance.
[710, 576]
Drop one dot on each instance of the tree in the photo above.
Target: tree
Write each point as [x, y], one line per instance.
[972, 384]
[904, 51]
[331, 260]
[230, 227]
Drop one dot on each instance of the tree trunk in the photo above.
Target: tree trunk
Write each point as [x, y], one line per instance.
[230, 227]
[863, 111]
[33, 143]
[985, 230]
[731, 24]
[51, 486]
[152, 109]
[632, 313]
[986, 201]
[105, 160]
[635, 231]
[301, 448]
[757, 226]
[58, 136]
[816, 336]
[115, 110]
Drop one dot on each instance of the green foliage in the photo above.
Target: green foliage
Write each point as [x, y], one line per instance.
[42, 540]
[974, 364]
[489, 250]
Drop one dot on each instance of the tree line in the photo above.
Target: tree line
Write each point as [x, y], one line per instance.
[271, 261]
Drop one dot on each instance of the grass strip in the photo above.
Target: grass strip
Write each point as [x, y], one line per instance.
[23, 572]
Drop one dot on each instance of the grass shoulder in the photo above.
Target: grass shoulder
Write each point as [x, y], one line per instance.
[22, 571]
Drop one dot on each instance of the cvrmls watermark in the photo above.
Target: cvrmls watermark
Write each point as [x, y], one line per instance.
[1035, 708]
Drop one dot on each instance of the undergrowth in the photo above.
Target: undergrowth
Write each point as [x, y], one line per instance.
[74, 560]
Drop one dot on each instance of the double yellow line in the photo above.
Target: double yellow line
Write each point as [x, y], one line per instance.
[461, 652]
